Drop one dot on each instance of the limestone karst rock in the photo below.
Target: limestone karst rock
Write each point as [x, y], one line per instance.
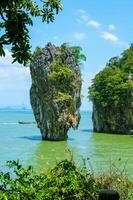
[55, 90]
[112, 95]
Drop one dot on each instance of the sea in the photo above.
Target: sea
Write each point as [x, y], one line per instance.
[101, 152]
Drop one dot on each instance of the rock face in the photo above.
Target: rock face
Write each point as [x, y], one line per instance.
[112, 95]
[55, 91]
[114, 120]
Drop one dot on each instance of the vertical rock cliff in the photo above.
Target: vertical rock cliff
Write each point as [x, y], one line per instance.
[55, 90]
[112, 95]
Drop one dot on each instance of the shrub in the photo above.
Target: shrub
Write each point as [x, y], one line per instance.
[64, 181]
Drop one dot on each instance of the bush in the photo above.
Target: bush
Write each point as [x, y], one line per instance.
[65, 181]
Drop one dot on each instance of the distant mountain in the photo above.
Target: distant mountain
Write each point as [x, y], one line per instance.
[15, 108]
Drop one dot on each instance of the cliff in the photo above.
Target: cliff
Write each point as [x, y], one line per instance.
[55, 90]
[112, 95]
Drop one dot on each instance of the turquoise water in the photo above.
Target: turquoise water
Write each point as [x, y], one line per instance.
[23, 142]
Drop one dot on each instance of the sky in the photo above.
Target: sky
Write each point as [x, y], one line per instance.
[103, 28]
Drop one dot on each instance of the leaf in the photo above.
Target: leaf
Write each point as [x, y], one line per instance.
[2, 52]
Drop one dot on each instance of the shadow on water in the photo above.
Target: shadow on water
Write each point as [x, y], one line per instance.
[39, 138]
[87, 130]
[70, 139]
[34, 138]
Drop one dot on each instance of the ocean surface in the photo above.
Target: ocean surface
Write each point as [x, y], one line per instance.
[23, 142]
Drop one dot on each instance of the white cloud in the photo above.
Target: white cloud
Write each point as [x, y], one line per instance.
[93, 24]
[15, 82]
[79, 35]
[113, 38]
[14, 78]
[81, 11]
[84, 18]
[7, 59]
[111, 27]
[82, 15]
[109, 36]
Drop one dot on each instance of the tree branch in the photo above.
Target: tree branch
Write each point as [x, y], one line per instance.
[2, 16]
[5, 42]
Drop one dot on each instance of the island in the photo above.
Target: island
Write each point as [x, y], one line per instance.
[112, 95]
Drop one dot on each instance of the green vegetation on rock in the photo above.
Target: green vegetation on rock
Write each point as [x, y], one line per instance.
[56, 89]
[112, 95]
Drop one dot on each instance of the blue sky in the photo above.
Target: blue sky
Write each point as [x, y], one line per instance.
[103, 28]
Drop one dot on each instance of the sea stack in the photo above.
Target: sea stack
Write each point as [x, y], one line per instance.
[55, 91]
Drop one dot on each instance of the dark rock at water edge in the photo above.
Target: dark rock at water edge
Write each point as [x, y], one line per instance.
[113, 120]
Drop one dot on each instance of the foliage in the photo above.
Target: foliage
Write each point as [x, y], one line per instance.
[61, 77]
[65, 79]
[112, 85]
[117, 179]
[65, 181]
[76, 51]
[15, 17]
[37, 52]
[119, 183]
[127, 60]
